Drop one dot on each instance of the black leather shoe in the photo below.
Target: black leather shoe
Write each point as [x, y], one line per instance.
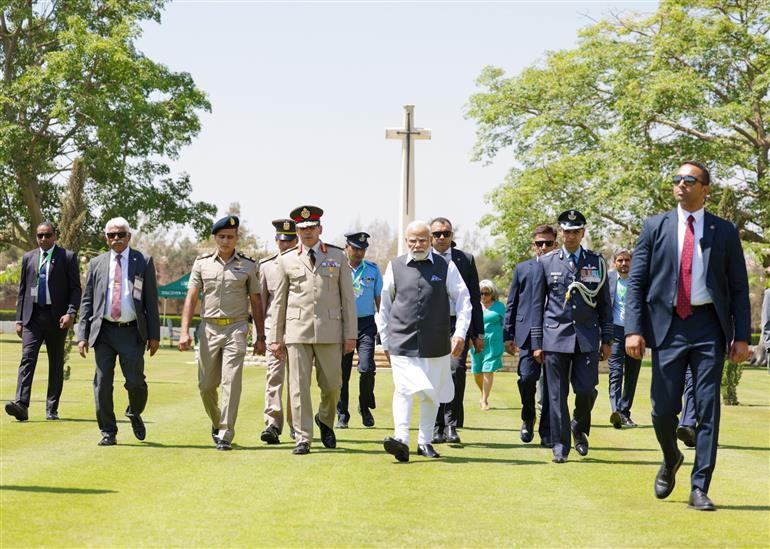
[451, 435]
[366, 417]
[427, 451]
[581, 443]
[616, 419]
[215, 435]
[686, 435]
[270, 435]
[396, 448]
[527, 431]
[327, 433]
[52, 416]
[628, 423]
[224, 445]
[301, 449]
[342, 423]
[17, 410]
[138, 426]
[700, 501]
[559, 459]
[438, 437]
[108, 440]
[665, 480]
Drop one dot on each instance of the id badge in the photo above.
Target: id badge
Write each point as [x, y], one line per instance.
[138, 283]
[33, 291]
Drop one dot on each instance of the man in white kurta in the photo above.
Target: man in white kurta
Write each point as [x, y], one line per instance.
[414, 326]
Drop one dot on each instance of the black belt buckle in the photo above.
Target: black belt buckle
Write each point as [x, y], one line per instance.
[122, 324]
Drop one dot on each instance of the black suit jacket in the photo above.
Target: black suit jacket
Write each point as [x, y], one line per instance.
[652, 286]
[94, 302]
[63, 283]
[466, 264]
[518, 309]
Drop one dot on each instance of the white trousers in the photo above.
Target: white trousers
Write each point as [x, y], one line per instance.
[402, 412]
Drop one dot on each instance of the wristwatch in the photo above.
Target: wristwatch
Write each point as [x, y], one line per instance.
[262, 337]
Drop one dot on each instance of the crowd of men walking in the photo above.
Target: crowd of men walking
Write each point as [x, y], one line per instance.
[683, 291]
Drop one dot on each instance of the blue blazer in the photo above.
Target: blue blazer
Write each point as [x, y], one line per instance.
[466, 264]
[518, 310]
[652, 286]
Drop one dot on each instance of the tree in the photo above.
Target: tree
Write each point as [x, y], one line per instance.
[601, 127]
[74, 85]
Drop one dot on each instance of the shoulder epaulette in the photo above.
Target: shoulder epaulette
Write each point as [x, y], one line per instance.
[268, 258]
[593, 253]
[372, 263]
[333, 246]
[204, 256]
[552, 252]
[289, 250]
[244, 256]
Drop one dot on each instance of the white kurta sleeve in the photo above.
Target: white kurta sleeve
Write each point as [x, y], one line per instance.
[382, 317]
[458, 293]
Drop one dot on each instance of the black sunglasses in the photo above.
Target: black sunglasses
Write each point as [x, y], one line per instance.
[484, 292]
[439, 234]
[688, 179]
[119, 234]
[541, 243]
[41, 236]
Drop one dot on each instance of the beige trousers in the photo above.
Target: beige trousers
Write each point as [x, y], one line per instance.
[275, 379]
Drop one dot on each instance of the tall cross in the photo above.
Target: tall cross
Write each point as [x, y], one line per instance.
[407, 134]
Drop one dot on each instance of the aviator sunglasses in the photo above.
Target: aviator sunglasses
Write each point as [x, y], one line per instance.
[689, 180]
[119, 234]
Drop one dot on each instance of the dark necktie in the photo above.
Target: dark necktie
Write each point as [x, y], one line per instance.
[572, 263]
[41, 281]
[116, 293]
[684, 284]
[311, 255]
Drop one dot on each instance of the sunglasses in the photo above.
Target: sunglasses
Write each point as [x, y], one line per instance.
[541, 243]
[439, 234]
[41, 236]
[688, 179]
[119, 234]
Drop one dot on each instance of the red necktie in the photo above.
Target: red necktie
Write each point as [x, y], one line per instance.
[115, 307]
[684, 286]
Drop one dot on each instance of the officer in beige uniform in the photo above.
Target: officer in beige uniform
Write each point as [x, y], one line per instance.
[314, 315]
[229, 284]
[285, 238]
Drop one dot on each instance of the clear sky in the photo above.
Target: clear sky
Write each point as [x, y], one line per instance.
[302, 92]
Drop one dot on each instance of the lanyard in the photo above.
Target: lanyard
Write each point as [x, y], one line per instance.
[43, 258]
[357, 277]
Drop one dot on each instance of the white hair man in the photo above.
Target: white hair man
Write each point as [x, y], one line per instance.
[414, 326]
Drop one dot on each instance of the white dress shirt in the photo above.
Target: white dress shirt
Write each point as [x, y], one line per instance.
[127, 311]
[47, 272]
[458, 296]
[699, 294]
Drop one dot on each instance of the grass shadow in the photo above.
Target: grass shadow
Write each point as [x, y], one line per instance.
[617, 461]
[745, 507]
[56, 489]
[487, 429]
[752, 448]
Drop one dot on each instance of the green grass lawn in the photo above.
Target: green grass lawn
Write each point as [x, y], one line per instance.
[175, 489]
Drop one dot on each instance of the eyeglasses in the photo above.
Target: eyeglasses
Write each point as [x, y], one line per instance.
[41, 236]
[484, 292]
[541, 243]
[439, 234]
[689, 180]
[119, 234]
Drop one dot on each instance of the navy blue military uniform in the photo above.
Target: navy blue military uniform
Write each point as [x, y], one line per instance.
[569, 329]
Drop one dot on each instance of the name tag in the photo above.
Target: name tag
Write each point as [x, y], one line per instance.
[138, 284]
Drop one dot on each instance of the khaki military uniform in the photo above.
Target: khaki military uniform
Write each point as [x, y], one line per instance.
[222, 338]
[276, 368]
[313, 311]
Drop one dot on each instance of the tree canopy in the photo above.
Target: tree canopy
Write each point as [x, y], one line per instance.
[603, 126]
[75, 85]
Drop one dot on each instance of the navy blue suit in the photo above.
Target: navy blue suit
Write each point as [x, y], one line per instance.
[699, 341]
[570, 331]
[517, 327]
[624, 370]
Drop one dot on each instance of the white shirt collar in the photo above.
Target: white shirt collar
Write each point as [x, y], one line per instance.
[123, 254]
[684, 214]
[410, 257]
[49, 252]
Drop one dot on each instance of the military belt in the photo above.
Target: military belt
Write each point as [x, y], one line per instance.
[223, 321]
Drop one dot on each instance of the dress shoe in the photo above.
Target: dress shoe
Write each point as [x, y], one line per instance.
[581, 443]
[366, 417]
[52, 416]
[438, 437]
[224, 445]
[138, 426]
[700, 501]
[270, 435]
[19, 411]
[559, 459]
[108, 440]
[616, 419]
[451, 435]
[666, 478]
[342, 423]
[427, 451]
[527, 431]
[301, 449]
[628, 423]
[215, 435]
[396, 448]
[327, 433]
[686, 435]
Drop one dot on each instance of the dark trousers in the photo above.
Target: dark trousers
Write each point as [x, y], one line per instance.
[697, 342]
[582, 370]
[624, 373]
[452, 414]
[367, 332]
[687, 418]
[126, 345]
[529, 371]
[42, 327]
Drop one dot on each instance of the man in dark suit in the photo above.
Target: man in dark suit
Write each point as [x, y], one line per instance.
[571, 331]
[624, 369]
[688, 298]
[118, 318]
[49, 296]
[517, 331]
[451, 415]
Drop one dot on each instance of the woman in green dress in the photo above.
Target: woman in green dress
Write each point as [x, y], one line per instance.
[485, 364]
